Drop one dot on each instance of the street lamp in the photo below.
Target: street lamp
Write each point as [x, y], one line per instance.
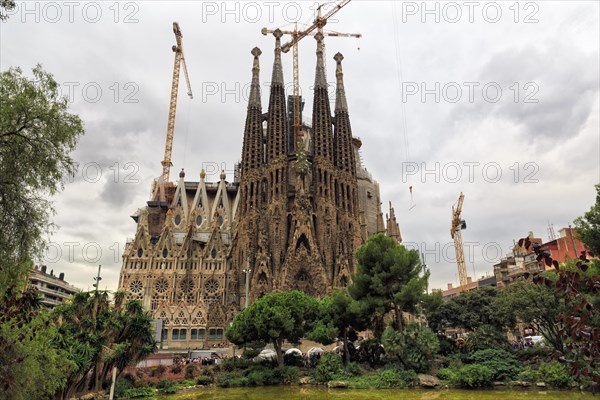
[247, 271]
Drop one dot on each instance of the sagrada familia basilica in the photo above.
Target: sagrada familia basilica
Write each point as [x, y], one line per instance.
[299, 206]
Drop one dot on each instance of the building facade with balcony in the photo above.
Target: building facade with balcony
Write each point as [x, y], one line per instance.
[54, 290]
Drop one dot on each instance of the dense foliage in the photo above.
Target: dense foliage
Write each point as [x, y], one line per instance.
[37, 135]
[274, 318]
[387, 279]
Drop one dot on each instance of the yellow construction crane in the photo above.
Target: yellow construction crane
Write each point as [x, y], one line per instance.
[459, 224]
[179, 60]
[297, 35]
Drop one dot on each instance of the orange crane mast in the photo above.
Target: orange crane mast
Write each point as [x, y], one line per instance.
[178, 62]
[458, 225]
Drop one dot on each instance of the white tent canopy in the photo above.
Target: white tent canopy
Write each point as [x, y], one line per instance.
[267, 354]
[315, 350]
[293, 351]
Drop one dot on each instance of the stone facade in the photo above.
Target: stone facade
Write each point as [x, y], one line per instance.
[299, 206]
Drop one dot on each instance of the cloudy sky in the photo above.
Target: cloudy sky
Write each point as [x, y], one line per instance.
[499, 100]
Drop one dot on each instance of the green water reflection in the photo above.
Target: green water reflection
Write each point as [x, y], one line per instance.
[297, 393]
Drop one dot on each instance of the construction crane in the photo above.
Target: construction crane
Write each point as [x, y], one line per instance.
[458, 225]
[179, 60]
[297, 35]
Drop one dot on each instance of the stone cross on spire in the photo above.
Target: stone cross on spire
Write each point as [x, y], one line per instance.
[320, 79]
[277, 78]
[340, 93]
[254, 100]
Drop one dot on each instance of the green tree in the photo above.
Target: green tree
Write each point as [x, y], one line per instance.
[5, 6]
[415, 347]
[587, 227]
[98, 336]
[387, 279]
[537, 305]
[340, 317]
[29, 367]
[468, 310]
[37, 135]
[274, 318]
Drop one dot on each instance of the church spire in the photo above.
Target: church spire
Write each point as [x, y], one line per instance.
[255, 85]
[252, 153]
[344, 152]
[393, 229]
[277, 78]
[322, 125]
[277, 127]
[340, 93]
[320, 78]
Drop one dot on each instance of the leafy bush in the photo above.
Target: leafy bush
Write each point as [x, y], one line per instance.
[249, 353]
[474, 376]
[288, 375]
[164, 383]
[504, 364]
[231, 364]
[158, 371]
[486, 337]
[555, 374]
[328, 367]
[138, 392]
[447, 374]
[528, 375]
[204, 380]
[409, 377]
[391, 378]
[293, 359]
[370, 352]
[232, 380]
[415, 346]
[190, 371]
[353, 369]
[176, 368]
[261, 376]
[121, 385]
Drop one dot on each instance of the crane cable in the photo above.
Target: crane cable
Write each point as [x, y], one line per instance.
[405, 151]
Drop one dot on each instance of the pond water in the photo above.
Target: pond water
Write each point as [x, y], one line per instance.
[297, 393]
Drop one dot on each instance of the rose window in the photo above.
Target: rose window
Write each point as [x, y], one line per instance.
[211, 286]
[161, 286]
[136, 287]
[187, 285]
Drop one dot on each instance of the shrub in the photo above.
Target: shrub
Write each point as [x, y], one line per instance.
[409, 377]
[390, 378]
[504, 364]
[293, 359]
[164, 383]
[447, 374]
[232, 380]
[176, 368]
[190, 371]
[158, 371]
[204, 380]
[353, 369]
[474, 376]
[288, 375]
[138, 392]
[486, 337]
[555, 374]
[121, 385]
[328, 367]
[231, 364]
[261, 376]
[249, 353]
[528, 375]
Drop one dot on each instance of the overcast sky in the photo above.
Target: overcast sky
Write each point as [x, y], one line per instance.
[499, 100]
